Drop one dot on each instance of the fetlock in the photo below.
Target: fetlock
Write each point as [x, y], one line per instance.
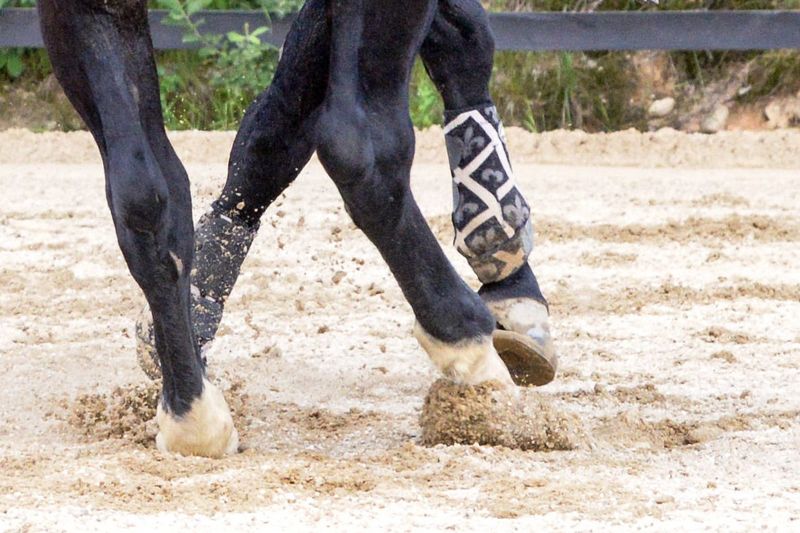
[518, 306]
[520, 284]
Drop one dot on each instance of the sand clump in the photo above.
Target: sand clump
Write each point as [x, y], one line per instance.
[125, 413]
[487, 414]
[718, 334]
[631, 431]
[128, 412]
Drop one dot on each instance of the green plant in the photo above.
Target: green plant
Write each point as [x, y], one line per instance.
[774, 72]
[229, 72]
[425, 106]
[567, 81]
[11, 62]
[11, 59]
[529, 121]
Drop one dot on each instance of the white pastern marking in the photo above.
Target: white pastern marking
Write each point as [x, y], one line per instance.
[470, 362]
[206, 430]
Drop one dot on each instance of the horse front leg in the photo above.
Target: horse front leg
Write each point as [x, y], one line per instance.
[275, 141]
[102, 54]
[366, 144]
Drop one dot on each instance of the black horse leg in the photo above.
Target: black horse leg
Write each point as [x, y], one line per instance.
[491, 216]
[102, 55]
[273, 144]
[366, 144]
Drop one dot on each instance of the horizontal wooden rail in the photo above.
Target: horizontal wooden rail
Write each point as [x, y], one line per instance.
[610, 30]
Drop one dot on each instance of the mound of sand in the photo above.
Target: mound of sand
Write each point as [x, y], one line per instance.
[126, 413]
[487, 414]
[129, 412]
[663, 148]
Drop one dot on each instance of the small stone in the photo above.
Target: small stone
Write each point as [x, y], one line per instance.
[661, 108]
[716, 121]
[725, 355]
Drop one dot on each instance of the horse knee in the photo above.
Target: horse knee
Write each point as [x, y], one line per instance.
[394, 150]
[344, 144]
[370, 164]
[352, 149]
[138, 191]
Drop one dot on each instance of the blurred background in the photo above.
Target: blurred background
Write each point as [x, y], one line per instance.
[210, 87]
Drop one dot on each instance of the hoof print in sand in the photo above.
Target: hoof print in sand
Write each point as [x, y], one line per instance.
[487, 414]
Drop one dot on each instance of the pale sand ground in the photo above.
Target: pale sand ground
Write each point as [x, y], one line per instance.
[675, 294]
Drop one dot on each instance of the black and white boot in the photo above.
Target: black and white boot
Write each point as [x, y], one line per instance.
[221, 246]
[493, 231]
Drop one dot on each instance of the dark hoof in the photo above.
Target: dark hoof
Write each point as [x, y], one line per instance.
[530, 363]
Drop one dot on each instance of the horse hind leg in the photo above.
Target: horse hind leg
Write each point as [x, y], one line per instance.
[102, 55]
[273, 144]
[491, 216]
[366, 144]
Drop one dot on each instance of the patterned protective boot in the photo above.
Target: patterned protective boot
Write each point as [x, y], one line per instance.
[221, 245]
[493, 231]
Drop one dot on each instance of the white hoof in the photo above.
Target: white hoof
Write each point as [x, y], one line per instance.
[525, 316]
[206, 430]
[470, 362]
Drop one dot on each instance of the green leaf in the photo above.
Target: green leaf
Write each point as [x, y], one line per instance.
[235, 37]
[14, 65]
[172, 5]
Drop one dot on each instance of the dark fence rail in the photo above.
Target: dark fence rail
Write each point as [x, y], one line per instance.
[664, 30]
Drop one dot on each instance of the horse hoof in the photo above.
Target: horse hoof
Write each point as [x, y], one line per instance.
[469, 362]
[524, 343]
[146, 354]
[206, 430]
[529, 362]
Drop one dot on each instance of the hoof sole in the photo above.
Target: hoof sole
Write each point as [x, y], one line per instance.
[527, 361]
